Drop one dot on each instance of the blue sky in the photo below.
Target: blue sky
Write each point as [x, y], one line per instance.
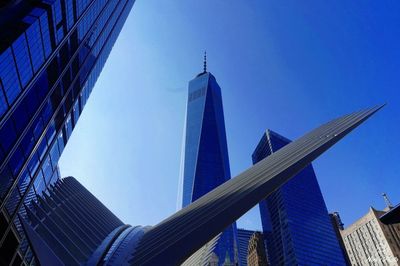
[288, 66]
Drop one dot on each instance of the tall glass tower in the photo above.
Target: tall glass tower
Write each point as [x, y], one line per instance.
[51, 54]
[296, 224]
[206, 162]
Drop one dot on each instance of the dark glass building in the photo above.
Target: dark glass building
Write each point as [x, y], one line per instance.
[296, 224]
[243, 238]
[51, 54]
[206, 162]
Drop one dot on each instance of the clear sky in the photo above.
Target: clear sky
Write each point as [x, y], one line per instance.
[285, 65]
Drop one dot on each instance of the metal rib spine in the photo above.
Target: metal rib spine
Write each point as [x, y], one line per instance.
[177, 237]
[71, 221]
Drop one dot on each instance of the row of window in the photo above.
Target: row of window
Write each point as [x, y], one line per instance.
[27, 109]
[25, 56]
[27, 53]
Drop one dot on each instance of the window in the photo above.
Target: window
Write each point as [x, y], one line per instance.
[68, 126]
[55, 155]
[27, 143]
[3, 102]
[20, 118]
[51, 132]
[47, 170]
[42, 149]
[7, 136]
[60, 141]
[21, 54]
[37, 127]
[39, 184]
[35, 44]
[33, 164]
[16, 161]
[70, 15]
[5, 181]
[9, 76]
[23, 182]
[47, 112]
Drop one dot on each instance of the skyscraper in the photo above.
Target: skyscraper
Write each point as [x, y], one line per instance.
[51, 54]
[295, 221]
[206, 162]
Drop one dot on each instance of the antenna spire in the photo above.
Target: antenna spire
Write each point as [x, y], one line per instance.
[205, 62]
[387, 201]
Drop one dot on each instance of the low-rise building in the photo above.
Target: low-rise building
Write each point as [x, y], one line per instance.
[370, 242]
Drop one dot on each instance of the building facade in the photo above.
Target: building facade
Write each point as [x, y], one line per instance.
[243, 238]
[296, 224]
[51, 54]
[370, 242]
[256, 255]
[206, 161]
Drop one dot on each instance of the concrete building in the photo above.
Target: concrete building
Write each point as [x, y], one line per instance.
[370, 242]
[256, 255]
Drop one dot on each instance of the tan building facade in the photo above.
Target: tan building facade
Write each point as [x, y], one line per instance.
[370, 242]
[256, 251]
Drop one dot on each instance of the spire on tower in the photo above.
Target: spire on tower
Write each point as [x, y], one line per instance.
[387, 201]
[205, 62]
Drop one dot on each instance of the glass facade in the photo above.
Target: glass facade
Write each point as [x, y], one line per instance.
[206, 162]
[296, 224]
[51, 54]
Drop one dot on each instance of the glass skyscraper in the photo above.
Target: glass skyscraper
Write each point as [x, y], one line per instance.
[51, 54]
[206, 162]
[296, 224]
